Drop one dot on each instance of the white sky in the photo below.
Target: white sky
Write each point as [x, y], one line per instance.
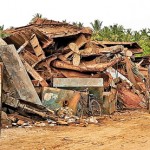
[134, 14]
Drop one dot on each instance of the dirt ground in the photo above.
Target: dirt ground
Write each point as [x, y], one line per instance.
[123, 131]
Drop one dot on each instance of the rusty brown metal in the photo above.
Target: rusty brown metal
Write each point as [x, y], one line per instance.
[45, 30]
[73, 103]
[99, 51]
[129, 98]
[60, 50]
[133, 46]
[85, 67]
[18, 37]
[74, 74]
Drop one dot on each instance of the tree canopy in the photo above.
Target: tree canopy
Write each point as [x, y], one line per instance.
[119, 33]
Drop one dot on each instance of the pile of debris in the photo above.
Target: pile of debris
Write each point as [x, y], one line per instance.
[53, 65]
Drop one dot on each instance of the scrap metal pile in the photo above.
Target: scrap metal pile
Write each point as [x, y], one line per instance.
[48, 50]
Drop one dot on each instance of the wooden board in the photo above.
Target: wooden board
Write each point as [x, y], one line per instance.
[37, 48]
[18, 74]
[77, 82]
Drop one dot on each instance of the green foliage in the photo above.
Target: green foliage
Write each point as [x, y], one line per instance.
[2, 34]
[78, 24]
[36, 16]
[119, 33]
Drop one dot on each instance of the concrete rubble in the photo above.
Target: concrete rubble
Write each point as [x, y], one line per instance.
[53, 72]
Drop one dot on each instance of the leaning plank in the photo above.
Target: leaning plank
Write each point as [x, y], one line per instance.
[29, 57]
[81, 40]
[129, 71]
[34, 73]
[36, 47]
[18, 74]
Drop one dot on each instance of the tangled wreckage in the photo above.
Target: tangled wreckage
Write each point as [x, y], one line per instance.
[54, 70]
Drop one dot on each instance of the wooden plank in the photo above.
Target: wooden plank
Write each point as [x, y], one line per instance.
[29, 57]
[130, 73]
[77, 82]
[34, 74]
[18, 74]
[37, 48]
[81, 40]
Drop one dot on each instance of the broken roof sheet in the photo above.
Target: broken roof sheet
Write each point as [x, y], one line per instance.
[133, 46]
[50, 28]
[45, 30]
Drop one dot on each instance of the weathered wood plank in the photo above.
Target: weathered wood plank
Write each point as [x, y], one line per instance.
[17, 72]
[29, 57]
[34, 74]
[37, 48]
[77, 82]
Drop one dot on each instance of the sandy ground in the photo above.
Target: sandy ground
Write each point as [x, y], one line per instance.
[123, 131]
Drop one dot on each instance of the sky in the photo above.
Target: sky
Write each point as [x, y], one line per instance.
[133, 14]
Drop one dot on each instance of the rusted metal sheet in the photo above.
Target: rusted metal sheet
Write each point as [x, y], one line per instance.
[18, 36]
[133, 46]
[99, 51]
[56, 29]
[77, 82]
[86, 66]
[54, 98]
[45, 30]
[18, 74]
[75, 74]
[37, 48]
[129, 98]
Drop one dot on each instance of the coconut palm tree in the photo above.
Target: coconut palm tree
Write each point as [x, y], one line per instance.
[37, 15]
[96, 25]
[78, 24]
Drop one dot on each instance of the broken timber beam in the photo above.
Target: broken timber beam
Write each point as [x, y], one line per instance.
[29, 57]
[130, 73]
[34, 74]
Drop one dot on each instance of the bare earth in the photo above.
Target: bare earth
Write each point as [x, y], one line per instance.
[123, 131]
